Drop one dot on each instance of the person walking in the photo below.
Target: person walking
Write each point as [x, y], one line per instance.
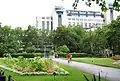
[68, 57]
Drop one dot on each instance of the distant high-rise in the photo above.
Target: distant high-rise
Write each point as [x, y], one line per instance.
[88, 19]
[110, 14]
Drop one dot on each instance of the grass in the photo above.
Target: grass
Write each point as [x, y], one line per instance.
[98, 61]
[75, 75]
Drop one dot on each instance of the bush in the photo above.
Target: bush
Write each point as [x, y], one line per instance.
[115, 57]
[30, 49]
[25, 55]
[94, 78]
[38, 54]
[31, 66]
[51, 52]
[63, 49]
[10, 50]
[75, 55]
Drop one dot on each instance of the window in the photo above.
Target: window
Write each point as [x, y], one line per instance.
[47, 17]
[86, 25]
[59, 20]
[85, 19]
[43, 17]
[81, 19]
[73, 23]
[43, 24]
[48, 25]
[73, 18]
[77, 19]
[89, 24]
[77, 22]
[69, 18]
[69, 23]
[51, 25]
[81, 24]
[93, 24]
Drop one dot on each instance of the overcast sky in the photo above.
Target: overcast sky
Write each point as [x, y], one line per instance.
[23, 12]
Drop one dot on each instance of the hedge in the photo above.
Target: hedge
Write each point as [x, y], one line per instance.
[75, 55]
[27, 55]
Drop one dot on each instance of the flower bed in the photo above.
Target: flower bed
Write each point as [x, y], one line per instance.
[31, 66]
[115, 57]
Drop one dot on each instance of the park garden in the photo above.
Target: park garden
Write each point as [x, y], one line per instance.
[25, 53]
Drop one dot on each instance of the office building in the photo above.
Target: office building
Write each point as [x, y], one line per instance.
[88, 19]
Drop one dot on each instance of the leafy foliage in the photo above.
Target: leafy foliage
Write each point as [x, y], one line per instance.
[93, 78]
[30, 49]
[63, 49]
[29, 65]
[76, 38]
[101, 3]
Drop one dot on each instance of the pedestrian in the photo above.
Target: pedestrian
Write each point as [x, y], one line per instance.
[68, 57]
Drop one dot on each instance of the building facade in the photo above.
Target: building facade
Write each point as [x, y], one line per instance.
[88, 19]
[44, 22]
[110, 14]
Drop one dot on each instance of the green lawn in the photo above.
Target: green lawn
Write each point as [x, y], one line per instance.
[98, 61]
[75, 75]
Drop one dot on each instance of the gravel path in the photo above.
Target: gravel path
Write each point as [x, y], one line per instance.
[112, 74]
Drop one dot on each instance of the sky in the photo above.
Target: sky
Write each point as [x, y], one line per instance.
[21, 13]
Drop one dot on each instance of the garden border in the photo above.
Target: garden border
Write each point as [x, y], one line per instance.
[34, 73]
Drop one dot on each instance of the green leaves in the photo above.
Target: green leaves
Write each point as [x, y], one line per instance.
[101, 3]
[93, 78]
[86, 77]
[63, 49]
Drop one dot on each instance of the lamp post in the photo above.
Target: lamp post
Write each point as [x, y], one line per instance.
[54, 74]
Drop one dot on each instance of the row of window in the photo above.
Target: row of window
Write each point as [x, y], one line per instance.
[47, 18]
[47, 24]
[77, 19]
[84, 24]
[84, 13]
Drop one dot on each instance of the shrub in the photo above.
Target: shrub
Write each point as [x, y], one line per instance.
[115, 57]
[38, 54]
[29, 65]
[25, 55]
[51, 52]
[10, 50]
[94, 78]
[75, 55]
[30, 49]
[63, 49]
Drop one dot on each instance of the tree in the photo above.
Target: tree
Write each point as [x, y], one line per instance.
[114, 36]
[10, 39]
[80, 35]
[63, 49]
[101, 3]
[66, 36]
[30, 49]
[30, 36]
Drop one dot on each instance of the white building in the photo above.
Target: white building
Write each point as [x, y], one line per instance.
[110, 14]
[62, 16]
[44, 22]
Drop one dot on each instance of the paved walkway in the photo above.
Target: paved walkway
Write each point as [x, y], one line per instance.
[112, 74]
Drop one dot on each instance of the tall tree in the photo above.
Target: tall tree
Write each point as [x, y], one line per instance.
[114, 36]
